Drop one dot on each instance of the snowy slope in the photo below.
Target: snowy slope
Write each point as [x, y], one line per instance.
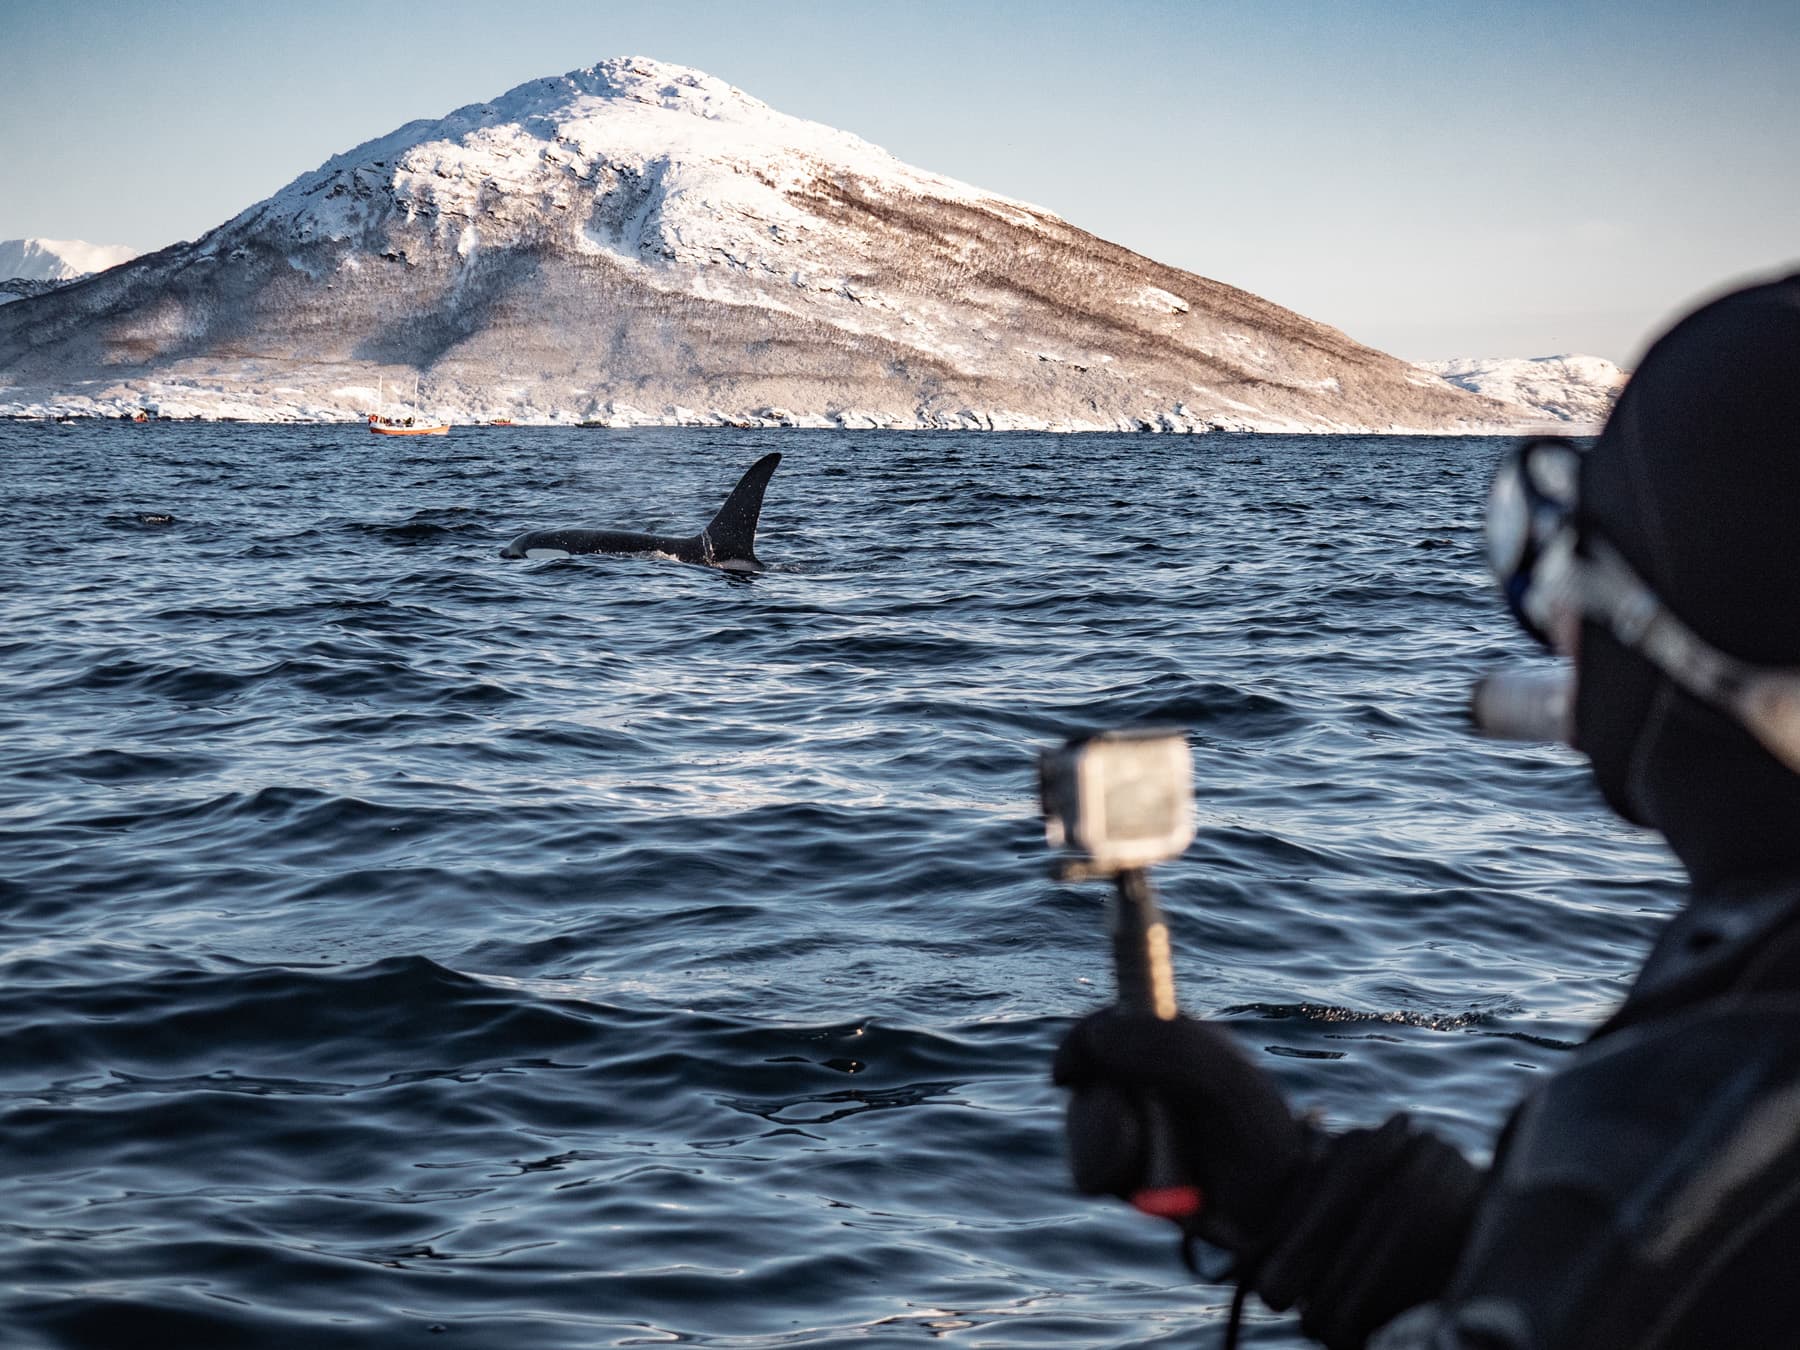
[641, 242]
[1573, 393]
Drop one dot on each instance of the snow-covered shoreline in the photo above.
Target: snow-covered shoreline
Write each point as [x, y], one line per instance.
[1542, 404]
[122, 404]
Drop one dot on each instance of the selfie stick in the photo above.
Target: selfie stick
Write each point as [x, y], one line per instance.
[1140, 941]
[1146, 984]
[1118, 802]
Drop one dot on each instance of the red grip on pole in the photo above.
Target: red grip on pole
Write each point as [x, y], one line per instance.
[1168, 1202]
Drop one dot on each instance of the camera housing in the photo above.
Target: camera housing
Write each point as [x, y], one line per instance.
[1118, 801]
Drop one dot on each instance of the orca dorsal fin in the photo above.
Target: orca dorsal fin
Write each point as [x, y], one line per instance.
[731, 537]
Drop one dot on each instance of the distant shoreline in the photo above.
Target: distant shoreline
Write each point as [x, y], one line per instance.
[85, 419]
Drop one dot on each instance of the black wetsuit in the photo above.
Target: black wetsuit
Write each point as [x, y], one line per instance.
[1646, 1196]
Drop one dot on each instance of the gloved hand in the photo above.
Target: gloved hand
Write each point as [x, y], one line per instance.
[1229, 1127]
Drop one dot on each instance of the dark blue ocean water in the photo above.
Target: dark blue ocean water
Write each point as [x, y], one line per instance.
[400, 946]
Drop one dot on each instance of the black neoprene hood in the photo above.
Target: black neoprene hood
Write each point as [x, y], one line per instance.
[1696, 480]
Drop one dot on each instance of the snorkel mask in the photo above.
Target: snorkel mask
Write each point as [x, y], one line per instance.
[1551, 586]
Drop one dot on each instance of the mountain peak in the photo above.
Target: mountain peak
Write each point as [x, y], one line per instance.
[643, 161]
[31, 267]
[641, 79]
[58, 259]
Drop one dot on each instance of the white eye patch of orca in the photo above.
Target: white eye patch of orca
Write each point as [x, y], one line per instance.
[728, 542]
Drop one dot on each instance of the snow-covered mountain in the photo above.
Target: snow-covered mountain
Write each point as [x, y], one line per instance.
[640, 242]
[58, 259]
[1566, 393]
[33, 266]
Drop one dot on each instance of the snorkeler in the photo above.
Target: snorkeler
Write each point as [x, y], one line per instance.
[1647, 1194]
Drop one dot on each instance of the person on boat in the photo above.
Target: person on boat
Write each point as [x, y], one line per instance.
[1648, 1193]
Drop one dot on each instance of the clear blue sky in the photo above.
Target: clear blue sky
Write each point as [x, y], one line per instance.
[1437, 179]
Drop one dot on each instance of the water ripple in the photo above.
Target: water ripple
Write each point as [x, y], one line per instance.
[396, 941]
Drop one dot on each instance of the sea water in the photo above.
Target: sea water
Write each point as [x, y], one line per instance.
[399, 945]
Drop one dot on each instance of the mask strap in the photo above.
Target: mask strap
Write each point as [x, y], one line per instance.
[1765, 701]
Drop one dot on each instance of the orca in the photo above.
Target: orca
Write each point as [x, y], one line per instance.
[728, 542]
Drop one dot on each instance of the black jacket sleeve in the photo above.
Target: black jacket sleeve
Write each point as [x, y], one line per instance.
[1373, 1225]
[1645, 1198]
[1648, 1198]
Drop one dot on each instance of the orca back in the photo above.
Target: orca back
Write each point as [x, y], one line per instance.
[728, 542]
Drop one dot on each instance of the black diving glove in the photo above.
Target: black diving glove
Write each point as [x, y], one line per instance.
[1352, 1229]
[1229, 1127]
